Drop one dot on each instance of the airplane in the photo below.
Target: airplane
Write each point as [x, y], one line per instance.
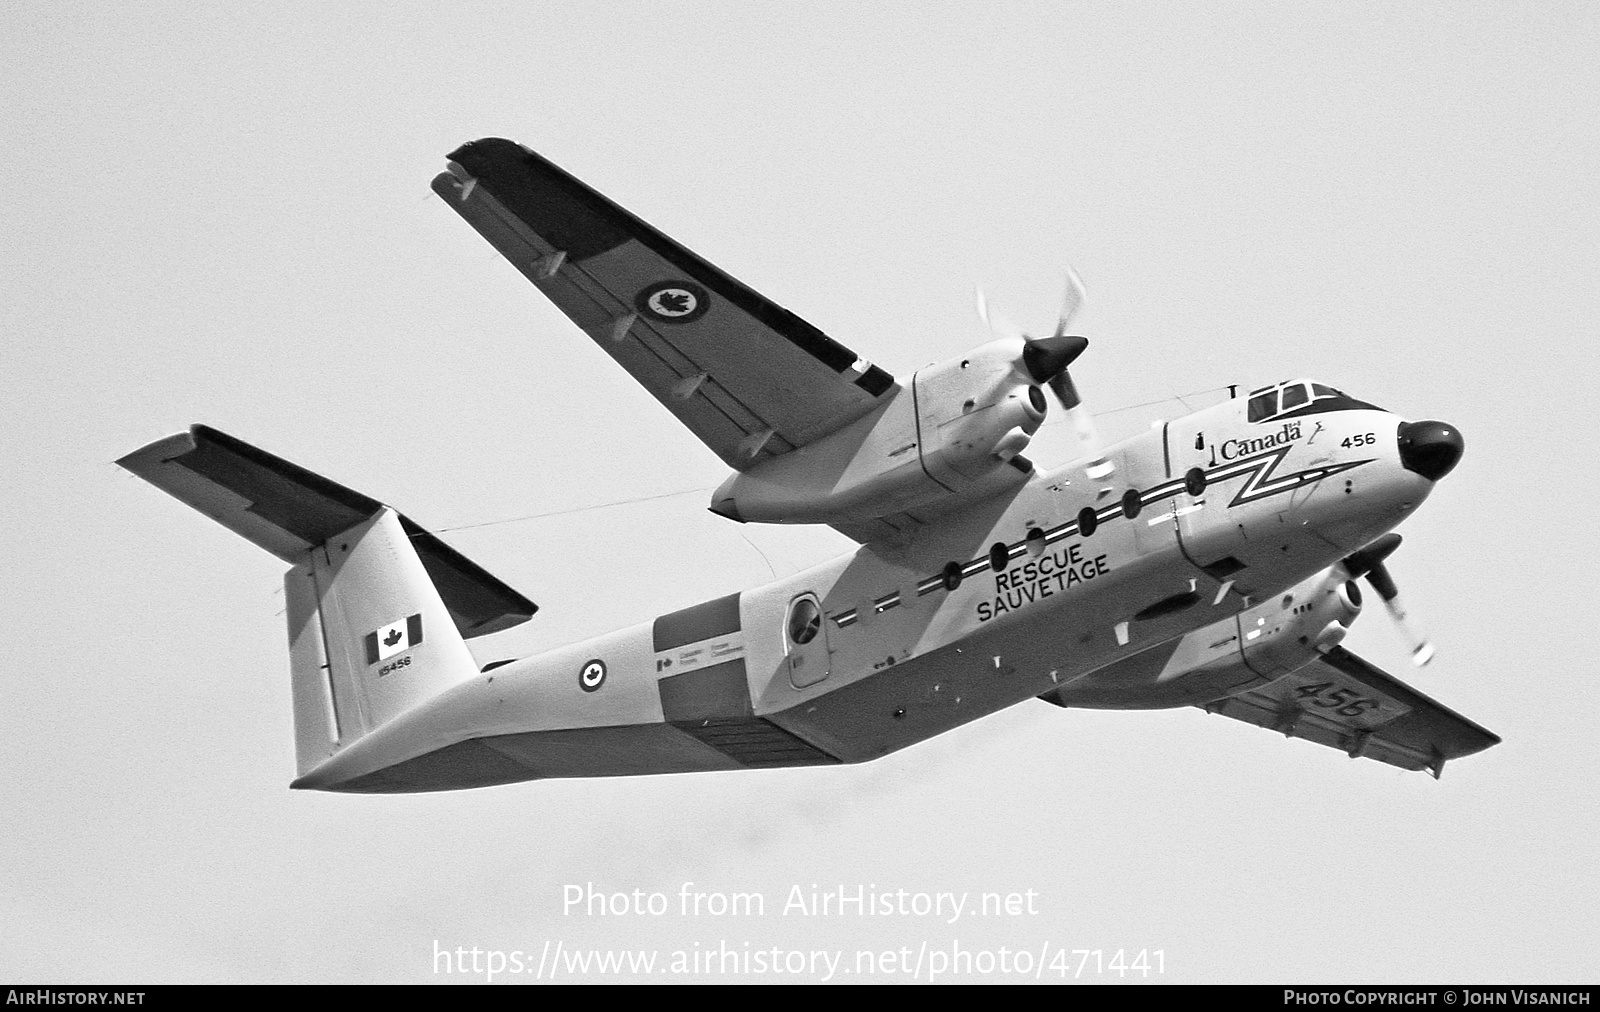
[1211, 562]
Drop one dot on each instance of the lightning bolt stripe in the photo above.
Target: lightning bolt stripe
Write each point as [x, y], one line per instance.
[1260, 482]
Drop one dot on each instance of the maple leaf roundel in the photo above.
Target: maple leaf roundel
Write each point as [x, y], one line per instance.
[673, 301]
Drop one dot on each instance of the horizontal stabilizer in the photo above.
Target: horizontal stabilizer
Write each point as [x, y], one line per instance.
[288, 511]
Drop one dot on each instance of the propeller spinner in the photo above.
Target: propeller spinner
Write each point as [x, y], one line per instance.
[1046, 358]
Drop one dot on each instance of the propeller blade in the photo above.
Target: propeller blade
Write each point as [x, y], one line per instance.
[1359, 564]
[1061, 385]
[1422, 649]
[1088, 435]
[998, 325]
[1071, 301]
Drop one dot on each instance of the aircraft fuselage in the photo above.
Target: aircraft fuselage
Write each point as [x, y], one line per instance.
[1205, 569]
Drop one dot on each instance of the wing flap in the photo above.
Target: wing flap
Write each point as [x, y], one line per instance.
[289, 510]
[1343, 702]
[748, 377]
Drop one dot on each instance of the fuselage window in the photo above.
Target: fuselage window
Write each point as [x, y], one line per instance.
[805, 621]
[1263, 406]
[1294, 396]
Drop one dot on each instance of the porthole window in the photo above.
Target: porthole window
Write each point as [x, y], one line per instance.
[805, 621]
[1195, 481]
[1035, 542]
[1132, 503]
[1087, 521]
[999, 556]
[952, 575]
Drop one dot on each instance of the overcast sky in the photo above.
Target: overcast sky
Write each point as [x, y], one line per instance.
[221, 214]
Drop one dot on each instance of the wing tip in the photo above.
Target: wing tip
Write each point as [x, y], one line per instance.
[473, 155]
[158, 451]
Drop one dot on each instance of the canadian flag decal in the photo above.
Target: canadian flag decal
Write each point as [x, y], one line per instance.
[394, 638]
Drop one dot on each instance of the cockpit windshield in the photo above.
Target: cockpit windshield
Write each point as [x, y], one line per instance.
[1299, 397]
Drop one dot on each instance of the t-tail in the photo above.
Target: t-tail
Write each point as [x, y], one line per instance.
[379, 609]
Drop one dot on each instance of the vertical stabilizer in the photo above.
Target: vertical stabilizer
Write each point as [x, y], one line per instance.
[369, 637]
[379, 609]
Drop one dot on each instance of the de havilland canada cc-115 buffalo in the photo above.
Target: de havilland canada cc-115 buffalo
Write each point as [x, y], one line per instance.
[1211, 561]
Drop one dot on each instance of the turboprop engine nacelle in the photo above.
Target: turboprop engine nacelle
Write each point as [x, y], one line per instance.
[957, 424]
[1285, 633]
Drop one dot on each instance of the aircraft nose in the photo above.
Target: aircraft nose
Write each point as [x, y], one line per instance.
[1431, 449]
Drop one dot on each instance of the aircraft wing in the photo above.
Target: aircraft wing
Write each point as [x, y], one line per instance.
[747, 376]
[1341, 701]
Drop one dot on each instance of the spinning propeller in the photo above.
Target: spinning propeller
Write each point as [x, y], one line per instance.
[1369, 563]
[1045, 359]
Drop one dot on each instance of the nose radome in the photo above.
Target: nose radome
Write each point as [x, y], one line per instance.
[1431, 449]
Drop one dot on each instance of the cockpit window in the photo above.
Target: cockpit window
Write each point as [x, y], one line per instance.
[1300, 397]
[1263, 406]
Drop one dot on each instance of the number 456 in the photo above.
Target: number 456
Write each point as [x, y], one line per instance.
[1365, 439]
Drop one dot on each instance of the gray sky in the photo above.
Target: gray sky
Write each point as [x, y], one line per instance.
[221, 214]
